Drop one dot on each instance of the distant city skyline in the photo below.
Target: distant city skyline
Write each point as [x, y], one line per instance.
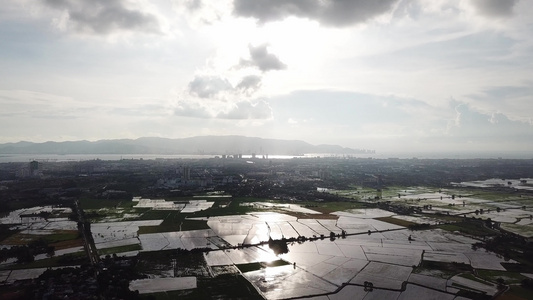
[393, 75]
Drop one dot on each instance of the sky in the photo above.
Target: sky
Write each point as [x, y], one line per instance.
[389, 75]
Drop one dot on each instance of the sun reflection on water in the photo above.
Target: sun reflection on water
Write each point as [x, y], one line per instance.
[266, 255]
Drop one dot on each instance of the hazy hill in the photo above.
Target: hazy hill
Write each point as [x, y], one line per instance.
[193, 145]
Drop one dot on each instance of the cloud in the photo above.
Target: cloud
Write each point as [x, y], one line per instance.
[192, 4]
[208, 86]
[145, 110]
[494, 8]
[192, 110]
[214, 97]
[240, 110]
[512, 100]
[495, 127]
[102, 17]
[260, 58]
[247, 110]
[249, 84]
[337, 13]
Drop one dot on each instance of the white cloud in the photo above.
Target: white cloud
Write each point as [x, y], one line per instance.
[249, 84]
[102, 17]
[248, 110]
[495, 127]
[209, 86]
[495, 8]
[192, 109]
[338, 63]
[214, 97]
[329, 12]
[262, 59]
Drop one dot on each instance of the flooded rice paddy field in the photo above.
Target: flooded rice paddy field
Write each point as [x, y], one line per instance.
[520, 184]
[10, 276]
[507, 204]
[372, 250]
[148, 286]
[161, 204]
[283, 206]
[335, 267]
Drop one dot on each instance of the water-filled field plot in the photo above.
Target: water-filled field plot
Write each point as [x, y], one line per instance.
[24, 274]
[486, 287]
[434, 282]
[147, 286]
[519, 184]
[418, 292]
[383, 275]
[287, 281]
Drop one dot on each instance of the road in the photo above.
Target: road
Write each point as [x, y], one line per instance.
[85, 229]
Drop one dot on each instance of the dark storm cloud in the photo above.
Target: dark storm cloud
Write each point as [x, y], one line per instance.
[329, 12]
[105, 16]
[208, 86]
[260, 58]
[495, 8]
[246, 110]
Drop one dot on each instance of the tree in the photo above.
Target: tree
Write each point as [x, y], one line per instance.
[488, 223]
[501, 283]
[50, 251]
[369, 286]
[278, 246]
[24, 255]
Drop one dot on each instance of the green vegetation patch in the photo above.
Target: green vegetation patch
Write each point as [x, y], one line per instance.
[522, 230]
[451, 268]
[97, 203]
[396, 221]
[71, 259]
[185, 225]
[472, 277]
[486, 194]
[509, 277]
[517, 268]
[460, 286]
[474, 228]
[68, 244]
[329, 207]
[517, 293]
[156, 214]
[156, 229]
[60, 236]
[120, 249]
[57, 236]
[444, 274]
[447, 218]
[6, 232]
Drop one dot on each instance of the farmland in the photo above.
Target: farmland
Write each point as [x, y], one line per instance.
[318, 239]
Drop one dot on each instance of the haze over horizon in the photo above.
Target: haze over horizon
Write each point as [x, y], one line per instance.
[390, 75]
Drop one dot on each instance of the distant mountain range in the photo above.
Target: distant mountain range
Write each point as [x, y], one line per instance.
[213, 145]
